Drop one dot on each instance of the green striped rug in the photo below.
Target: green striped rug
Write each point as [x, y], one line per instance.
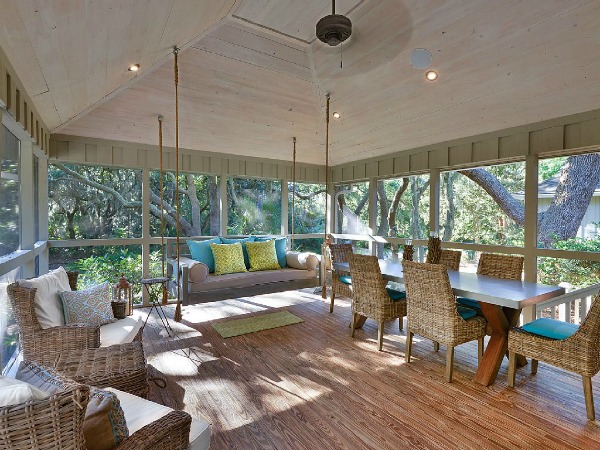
[237, 327]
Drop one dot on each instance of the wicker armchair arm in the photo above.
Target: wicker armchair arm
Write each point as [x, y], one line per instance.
[45, 345]
[171, 432]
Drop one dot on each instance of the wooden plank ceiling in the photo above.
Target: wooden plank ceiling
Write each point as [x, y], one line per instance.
[253, 75]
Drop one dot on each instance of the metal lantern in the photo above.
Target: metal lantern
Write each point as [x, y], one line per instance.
[123, 293]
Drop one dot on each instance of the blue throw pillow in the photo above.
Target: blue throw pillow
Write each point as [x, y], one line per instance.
[280, 248]
[244, 249]
[200, 251]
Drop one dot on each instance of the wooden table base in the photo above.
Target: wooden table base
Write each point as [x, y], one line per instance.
[500, 320]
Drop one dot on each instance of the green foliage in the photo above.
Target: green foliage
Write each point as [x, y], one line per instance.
[412, 215]
[579, 273]
[254, 206]
[477, 216]
[549, 168]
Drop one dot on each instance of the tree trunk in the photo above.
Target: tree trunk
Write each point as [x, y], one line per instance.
[512, 207]
[579, 178]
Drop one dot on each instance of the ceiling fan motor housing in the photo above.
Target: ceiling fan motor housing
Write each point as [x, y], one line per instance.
[334, 29]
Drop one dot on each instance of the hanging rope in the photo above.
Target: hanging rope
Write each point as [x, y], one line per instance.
[293, 190]
[325, 242]
[176, 79]
[165, 291]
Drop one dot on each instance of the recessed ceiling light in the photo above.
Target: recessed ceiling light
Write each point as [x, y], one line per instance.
[134, 68]
[431, 75]
[336, 115]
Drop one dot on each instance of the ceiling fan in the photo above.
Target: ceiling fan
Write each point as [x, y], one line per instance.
[334, 28]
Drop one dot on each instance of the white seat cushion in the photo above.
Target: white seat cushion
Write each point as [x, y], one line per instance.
[140, 412]
[14, 392]
[120, 332]
[48, 305]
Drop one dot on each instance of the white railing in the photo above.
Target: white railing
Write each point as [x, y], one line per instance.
[570, 307]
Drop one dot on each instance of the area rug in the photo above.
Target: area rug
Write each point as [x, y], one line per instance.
[237, 327]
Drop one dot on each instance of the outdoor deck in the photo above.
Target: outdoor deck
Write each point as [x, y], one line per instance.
[311, 386]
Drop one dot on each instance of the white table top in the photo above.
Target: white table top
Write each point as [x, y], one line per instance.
[510, 293]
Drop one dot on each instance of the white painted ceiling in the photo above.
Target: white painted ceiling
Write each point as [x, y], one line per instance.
[252, 74]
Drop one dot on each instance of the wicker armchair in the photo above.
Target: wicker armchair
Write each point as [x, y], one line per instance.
[340, 284]
[432, 311]
[371, 298]
[451, 259]
[57, 422]
[579, 353]
[45, 345]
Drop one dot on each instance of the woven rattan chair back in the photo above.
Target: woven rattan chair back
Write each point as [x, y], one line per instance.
[340, 252]
[370, 298]
[451, 259]
[45, 345]
[368, 283]
[430, 308]
[501, 266]
[55, 422]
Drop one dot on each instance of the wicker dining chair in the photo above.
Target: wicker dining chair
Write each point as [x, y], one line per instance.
[341, 283]
[578, 353]
[433, 313]
[507, 267]
[451, 259]
[371, 298]
[57, 422]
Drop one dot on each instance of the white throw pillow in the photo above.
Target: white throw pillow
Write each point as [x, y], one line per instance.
[48, 306]
[14, 392]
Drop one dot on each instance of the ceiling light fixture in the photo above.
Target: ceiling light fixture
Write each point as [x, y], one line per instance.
[134, 68]
[431, 75]
[336, 115]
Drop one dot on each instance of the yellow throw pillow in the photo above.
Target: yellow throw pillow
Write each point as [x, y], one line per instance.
[263, 255]
[229, 258]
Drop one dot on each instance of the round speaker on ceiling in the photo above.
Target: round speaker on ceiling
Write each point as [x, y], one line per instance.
[420, 58]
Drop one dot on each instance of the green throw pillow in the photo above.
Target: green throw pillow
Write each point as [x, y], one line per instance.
[229, 258]
[262, 256]
[243, 242]
[280, 248]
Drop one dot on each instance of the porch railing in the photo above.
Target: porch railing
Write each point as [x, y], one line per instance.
[571, 307]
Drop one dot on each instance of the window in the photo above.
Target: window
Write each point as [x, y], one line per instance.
[88, 202]
[254, 206]
[10, 217]
[199, 198]
[308, 216]
[8, 325]
[569, 203]
[403, 207]
[468, 213]
[351, 203]
[103, 263]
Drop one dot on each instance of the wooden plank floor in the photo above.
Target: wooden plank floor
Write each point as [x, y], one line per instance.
[311, 386]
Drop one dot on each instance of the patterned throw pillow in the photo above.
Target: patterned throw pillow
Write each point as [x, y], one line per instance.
[90, 306]
[280, 248]
[262, 256]
[229, 258]
[243, 242]
[104, 426]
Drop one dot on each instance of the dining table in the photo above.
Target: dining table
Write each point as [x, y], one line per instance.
[501, 302]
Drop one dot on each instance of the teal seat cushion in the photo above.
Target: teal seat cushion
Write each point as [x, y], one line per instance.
[468, 302]
[465, 313]
[395, 295]
[551, 328]
[244, 249]
[280, 248]
[346, 279]
[201, 251]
